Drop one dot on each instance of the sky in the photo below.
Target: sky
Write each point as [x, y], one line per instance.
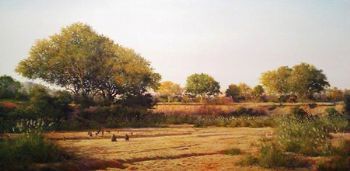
[232, 40]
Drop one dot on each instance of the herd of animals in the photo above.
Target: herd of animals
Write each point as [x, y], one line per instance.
[114, 137]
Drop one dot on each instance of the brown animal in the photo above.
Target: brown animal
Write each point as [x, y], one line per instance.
[90, 133]
[114, 138]
[98, 131]
[108, 131]
[126, 137]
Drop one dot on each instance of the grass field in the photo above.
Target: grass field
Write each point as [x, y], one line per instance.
[181, 147]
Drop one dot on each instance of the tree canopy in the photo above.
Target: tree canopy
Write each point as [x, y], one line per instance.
[89, 64]
[169, 89]
[234, 92]
[303, 80]
[202, 85]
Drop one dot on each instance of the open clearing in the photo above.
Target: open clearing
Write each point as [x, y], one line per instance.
[174, 148]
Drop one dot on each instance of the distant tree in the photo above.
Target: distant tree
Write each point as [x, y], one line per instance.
[9, 88]
[276, 81]
[245, 90]
[234, 92]
[258, 92]
[169, 90]
[306, 80]
[202, 85]
[89, 64]
[334, 94]
[303, 80]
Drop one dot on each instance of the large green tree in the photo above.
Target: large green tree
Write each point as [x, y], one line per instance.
[306, 80]
[89, 64]
[202, 85]
[277, 81]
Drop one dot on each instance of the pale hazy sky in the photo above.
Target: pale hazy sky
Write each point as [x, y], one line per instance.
[232, 40]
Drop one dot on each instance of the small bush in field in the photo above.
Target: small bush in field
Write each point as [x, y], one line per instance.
[298, 112]
[233, 151]
[272, 155]
[334, 121]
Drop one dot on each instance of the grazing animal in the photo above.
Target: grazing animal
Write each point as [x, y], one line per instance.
[108, 131]
[98, 131]
[114, 138]
[90, 133]
[126, 137]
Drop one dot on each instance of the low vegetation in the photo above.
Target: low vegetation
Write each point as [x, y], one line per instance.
[22, 152]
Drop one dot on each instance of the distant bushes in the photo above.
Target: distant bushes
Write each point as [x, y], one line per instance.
[242, 111]
[242, 121]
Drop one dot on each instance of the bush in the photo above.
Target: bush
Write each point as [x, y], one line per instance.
[242, 111]
[271, 156]
[308, 136]
[21, 153]
[334, 121]
[298, 112]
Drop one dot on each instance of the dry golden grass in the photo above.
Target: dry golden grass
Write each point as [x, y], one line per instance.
[180, 147]
[174, 148]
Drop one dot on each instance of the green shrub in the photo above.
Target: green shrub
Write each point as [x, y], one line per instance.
[331, 111]
[308, 136]
[271, 156]
[334, 121]
[20, 153]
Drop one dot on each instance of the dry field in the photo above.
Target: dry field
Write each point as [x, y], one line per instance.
[180, 147]
[174, 148]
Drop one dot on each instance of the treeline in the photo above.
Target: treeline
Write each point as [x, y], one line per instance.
[301, 83]
[105, 83]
